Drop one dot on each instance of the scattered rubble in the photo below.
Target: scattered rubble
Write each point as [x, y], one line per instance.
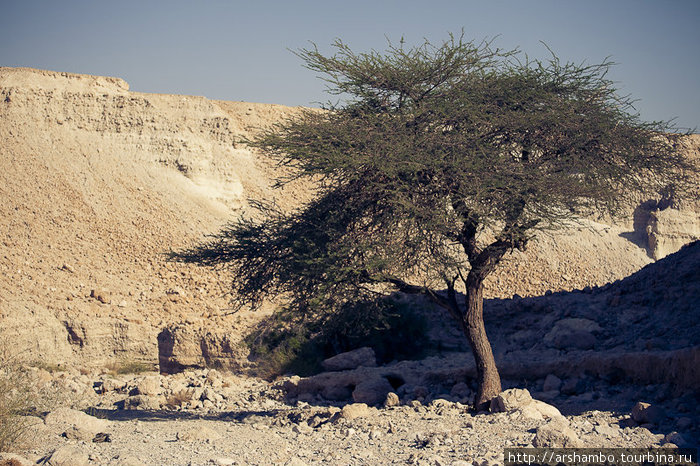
[214, 417]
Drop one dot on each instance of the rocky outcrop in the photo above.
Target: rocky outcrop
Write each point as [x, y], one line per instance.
[351, 360]
[183, 347]
[670, 229]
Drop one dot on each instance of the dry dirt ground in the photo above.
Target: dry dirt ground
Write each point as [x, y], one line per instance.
[99, 184]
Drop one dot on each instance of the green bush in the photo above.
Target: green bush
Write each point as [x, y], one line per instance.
[287, 343]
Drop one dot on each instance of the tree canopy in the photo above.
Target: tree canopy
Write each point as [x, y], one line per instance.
[439, 160]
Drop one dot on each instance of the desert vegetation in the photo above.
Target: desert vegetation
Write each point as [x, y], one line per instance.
[439, 161]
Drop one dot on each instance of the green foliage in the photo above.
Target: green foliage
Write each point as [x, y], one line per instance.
[441, 159]
[286, 344]
[438, 161]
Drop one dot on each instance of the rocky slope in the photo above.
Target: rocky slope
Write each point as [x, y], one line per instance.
[604, 382]
[99, 184]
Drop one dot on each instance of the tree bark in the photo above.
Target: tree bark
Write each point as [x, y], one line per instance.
[489, 382]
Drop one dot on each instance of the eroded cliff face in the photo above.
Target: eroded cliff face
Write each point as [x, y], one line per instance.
[99, 184]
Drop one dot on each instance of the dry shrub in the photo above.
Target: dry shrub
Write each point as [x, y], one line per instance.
[23, 397]
[121, 367]
[10, 462]
[16, 396]
[178, 398]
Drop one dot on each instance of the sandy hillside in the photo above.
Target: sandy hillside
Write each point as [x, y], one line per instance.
[99, 183]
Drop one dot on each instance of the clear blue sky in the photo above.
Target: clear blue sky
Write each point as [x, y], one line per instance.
[239, 50]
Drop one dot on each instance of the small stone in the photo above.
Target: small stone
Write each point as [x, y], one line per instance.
[78, 433]
[644, 413]
[392, 399]
[102, 296]
[302, 428]
[68, 268]
[101, 437]
[224, 461]
[556, 434]
[510, 400]
[676, 439]
[295, 462]
[354, 411]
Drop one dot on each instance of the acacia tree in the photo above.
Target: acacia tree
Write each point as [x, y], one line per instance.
[439, 160]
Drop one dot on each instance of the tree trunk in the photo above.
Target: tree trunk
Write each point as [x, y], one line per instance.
[489, 382]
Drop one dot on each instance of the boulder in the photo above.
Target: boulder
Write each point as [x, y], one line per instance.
[150, 385]
[674, 438]
[556, 434]
[516, 400]
[551, 383]
[573, 333]
[113, 385]
[669, 229]
[392, 399]
[372, 391]
[510, 400]
[644, 413]
[354, 410]
[183, 347]
[62, 419]
[351, 360]
[79, 433]
[337, 392]
[546, 410]
[68, 455]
